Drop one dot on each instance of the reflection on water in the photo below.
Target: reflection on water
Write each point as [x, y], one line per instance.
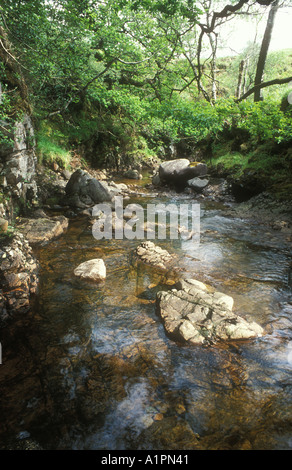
[91, 366]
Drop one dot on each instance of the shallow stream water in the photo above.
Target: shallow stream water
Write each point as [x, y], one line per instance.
[90, 367]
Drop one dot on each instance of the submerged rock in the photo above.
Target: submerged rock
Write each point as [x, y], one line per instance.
[198, 315]
[93, 270]
[154, 255]
[169, 433]
[23, 444]
[133, 175]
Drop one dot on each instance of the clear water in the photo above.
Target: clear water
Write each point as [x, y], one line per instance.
[91, 367]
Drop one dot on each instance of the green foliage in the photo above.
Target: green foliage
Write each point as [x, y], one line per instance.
[5, 111]
[265, 121]
[188, 8]
[199, 120]
[4, 119]
[271, 166]
[233, 162]
[117, 80]
[50, 148]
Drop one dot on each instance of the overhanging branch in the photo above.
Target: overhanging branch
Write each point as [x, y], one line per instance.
[276, 81]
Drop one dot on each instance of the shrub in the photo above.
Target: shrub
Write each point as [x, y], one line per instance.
[265, 121]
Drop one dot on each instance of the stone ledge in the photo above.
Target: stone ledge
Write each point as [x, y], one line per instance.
[41, 230]
[196, 314]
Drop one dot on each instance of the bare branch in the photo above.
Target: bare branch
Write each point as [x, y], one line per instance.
[133, 63]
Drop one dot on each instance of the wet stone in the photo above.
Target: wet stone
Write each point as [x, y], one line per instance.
[93, 270]
[42, 230]
[196, 314]
[18, 275]
[154, 255]
[170, 433]
[3, 225]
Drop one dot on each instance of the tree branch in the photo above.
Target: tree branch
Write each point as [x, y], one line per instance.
[99, 75]
[276, 81]
[227, 10]
[133, 63]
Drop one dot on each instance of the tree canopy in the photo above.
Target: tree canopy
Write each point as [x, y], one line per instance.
[97, 67]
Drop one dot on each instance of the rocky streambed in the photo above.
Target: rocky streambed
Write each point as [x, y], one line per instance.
[123, 363]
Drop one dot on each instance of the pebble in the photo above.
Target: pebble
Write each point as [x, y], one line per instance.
[158, 417]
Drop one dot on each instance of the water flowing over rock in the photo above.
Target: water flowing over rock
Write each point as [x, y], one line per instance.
[94, 270]
[18, 275]
[196, 314]
[178, 172]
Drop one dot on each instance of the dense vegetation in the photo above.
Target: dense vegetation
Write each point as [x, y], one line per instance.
[120, 81]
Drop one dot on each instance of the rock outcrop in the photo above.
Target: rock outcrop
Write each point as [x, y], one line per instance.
[17, 149]
[18, 276]
[17, 167]
[248, 185]
[196, 314]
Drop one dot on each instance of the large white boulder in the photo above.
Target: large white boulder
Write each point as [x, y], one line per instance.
[94, 270]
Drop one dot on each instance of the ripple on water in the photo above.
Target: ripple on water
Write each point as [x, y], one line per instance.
[108, 377]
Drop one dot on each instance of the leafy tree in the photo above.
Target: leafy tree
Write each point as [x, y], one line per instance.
[109, 74]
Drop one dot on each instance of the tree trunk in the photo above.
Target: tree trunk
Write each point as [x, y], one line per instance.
[213, 44]
[240, 78]
[246, 66]
[264, 50]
